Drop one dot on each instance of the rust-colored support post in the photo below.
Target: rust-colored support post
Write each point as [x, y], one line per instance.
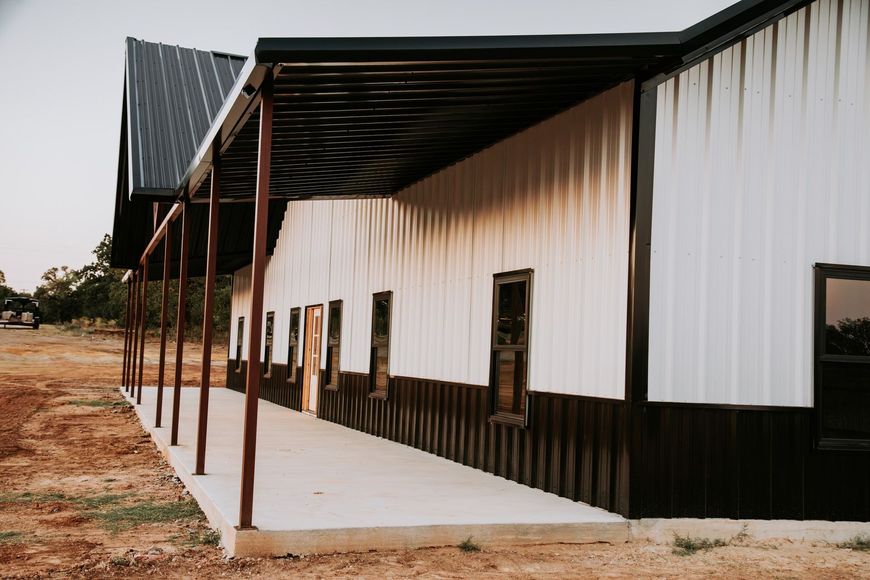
[164, 312]
[180, 319]
[258, 271]
[126, 337]
[208, 309]
[144, 319]
[134, 342]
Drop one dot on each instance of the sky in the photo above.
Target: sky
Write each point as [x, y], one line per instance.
[62, 66]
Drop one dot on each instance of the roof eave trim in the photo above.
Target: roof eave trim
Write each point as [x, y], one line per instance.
[300, 50]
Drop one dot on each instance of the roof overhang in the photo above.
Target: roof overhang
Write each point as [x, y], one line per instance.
[366, 117]
[363, 117]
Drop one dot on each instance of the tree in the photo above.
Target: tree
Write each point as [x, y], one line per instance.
[57, 295]
[5, 291]
[849, 336]
[96, 291]
[100, 292]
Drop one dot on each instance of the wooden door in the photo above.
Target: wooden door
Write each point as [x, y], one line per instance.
[311, 362]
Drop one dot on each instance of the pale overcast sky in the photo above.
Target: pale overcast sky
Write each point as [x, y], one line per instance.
[62, 64]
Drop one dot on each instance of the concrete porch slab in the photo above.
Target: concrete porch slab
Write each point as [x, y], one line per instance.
[321, 487]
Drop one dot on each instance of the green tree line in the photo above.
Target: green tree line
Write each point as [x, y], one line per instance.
[95, 291]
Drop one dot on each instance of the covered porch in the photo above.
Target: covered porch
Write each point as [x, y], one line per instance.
[323, 488]
[202, 190]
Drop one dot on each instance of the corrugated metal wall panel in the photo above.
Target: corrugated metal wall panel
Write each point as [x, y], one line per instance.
[760, 172]
[554, 198]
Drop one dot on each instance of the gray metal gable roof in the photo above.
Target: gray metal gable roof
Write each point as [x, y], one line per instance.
[173, 95]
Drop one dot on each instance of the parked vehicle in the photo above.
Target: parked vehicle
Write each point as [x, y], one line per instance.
[20, 311]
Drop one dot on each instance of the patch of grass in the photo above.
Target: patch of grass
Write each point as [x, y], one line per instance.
[101, 501]
[119, 561]
[468, 545]
[860, 543]
[98, 403]
[194, 538]
[687, 545]
[27, 497]
[126, 517]
[10, 537]
[88, 503]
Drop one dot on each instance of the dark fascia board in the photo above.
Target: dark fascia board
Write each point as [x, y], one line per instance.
[362, 49]
[154, 194]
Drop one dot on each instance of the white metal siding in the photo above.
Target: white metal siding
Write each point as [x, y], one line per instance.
[554, 198]
[761, 170]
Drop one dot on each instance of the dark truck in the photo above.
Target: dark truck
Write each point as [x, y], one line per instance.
[20, 311]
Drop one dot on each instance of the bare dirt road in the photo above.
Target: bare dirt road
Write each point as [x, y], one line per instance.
[84, 493]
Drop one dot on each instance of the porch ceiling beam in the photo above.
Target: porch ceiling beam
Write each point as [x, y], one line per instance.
[159, 232]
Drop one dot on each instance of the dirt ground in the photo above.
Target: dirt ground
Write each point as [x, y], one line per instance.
[84, 493]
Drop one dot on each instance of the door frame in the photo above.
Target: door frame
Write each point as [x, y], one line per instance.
[307, 343]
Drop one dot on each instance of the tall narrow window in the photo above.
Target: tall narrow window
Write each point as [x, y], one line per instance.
[267, 350]
[510, 346]
[240, 335]
[380, 354]
[843, 356]
[333, 345]
[293, 344]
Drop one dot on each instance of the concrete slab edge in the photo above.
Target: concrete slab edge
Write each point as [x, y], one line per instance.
[662, 530]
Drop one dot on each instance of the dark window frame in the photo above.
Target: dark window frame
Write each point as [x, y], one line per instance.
[374, 393]
[293, 344]
[824, 272]
[268, 343]
[240, 336]
[333, 344]
[496, 416]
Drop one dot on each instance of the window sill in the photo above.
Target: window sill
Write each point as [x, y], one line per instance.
[330, 387]
[510, 420]
[379, 396]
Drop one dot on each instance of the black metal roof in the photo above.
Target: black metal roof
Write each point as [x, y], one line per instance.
[171, 98]
[172, 95]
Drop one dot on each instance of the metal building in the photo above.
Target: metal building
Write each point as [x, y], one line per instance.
[629, 269]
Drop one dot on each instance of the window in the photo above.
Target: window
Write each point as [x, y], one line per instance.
[333, 345]
[510, 346]
[380, 355]
[267, 351]
[240, 334]
[293, 344]
[842, 356]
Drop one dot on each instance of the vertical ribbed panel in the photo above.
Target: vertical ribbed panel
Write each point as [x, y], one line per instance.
[554, 198]
[761, 171]
[174, 94]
